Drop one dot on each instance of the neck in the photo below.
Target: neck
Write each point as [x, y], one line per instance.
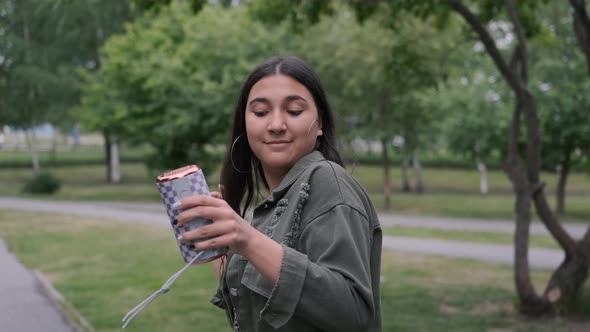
[274, 177]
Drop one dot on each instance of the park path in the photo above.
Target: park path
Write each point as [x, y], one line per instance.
[25, 307]
[154, 214]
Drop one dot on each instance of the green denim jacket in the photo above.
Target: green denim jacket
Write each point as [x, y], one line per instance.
[330, 273]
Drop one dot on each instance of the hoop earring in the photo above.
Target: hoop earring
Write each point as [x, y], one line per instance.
[309, 130]
[231, 153]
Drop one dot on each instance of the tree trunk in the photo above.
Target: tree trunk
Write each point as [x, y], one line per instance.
[567, 281]
[107, 151]
[522, 278]
[54, 144]
[29, 133]
[483, 178]
[419, 185]
[530, 302]
[405, 178]
[386, 176]
[115, 164]
[564, 170]
[30, 138]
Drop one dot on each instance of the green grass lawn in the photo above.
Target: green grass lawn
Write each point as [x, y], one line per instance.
[539, 241]
[67, 155]
[452, 193]
[105, 268]
[441, 180]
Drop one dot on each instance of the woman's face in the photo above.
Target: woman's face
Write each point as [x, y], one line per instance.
[282, 123]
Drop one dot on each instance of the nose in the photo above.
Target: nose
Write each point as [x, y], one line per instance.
[277, 122]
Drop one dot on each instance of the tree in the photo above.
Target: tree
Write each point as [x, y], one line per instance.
[30, 67]
[475, 105]
[45, 42]
[89, 24]
[563, 92]
[522, 164]
[524, 171]
[171, 80]
[363, 74]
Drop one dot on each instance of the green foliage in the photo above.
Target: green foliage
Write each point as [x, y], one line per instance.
[44, 183]
[477, 108]
[28, 81]
[42, 43]
[299, 13]
[156, 5]
[563, 91]
[172, 79]
[375, 76]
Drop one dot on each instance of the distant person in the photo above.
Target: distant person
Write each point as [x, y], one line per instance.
[310, 258]
[75, 136]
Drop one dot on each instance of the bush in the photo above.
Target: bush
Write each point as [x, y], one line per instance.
[44, 183]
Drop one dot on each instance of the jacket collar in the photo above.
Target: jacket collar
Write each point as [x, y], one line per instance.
[292, 176]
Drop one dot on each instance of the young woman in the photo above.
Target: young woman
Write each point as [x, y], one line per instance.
[309, 260]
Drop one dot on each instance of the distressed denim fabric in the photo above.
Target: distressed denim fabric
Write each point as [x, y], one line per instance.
[329, 277]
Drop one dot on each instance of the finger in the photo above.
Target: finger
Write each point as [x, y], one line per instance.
[216, 194]
[205, 212]
[200, 200]
[216, 242]
[204, 232]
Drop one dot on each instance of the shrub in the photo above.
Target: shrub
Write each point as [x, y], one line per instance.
[44, 183]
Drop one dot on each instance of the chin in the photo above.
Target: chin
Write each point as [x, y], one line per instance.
[277, 163]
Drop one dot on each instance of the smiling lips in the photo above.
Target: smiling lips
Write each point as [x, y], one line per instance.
[277, 142]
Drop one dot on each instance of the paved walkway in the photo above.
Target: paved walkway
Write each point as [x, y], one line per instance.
[497, 226]
[23, 305]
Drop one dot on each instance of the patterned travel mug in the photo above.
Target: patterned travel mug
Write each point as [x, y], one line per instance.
[179, 183]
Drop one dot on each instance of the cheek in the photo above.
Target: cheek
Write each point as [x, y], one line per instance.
[252, 127]
[254, 134]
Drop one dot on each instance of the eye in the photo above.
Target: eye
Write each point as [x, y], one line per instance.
[259, 113]
[294, 112]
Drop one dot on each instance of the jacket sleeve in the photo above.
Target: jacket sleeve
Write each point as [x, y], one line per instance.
[328, 280]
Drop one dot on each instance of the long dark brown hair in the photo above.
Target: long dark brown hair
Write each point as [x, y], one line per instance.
[241, 173]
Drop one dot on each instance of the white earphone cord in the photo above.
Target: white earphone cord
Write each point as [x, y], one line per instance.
[163, 290]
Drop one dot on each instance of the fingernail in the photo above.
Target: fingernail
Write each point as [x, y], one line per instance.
[176, 205]
[180, 238]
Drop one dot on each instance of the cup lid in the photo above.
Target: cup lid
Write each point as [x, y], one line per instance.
[177, 173]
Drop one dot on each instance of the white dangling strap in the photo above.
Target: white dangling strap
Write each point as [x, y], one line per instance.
[163, 290]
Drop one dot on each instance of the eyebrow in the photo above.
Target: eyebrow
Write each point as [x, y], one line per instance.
[266, 101]
[295, 97]
[259, 100]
